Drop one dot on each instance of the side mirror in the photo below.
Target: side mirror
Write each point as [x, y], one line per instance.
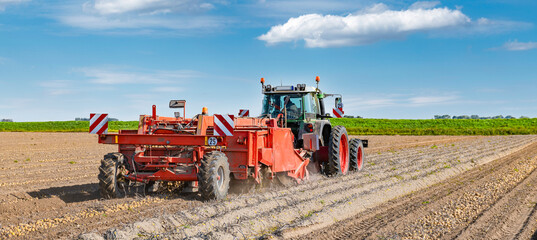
[339, 102]
[177, 103]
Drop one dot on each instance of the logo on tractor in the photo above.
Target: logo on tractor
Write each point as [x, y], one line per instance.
[224, 125]
[212, 141]
[98, 123]
[338, 112]
[244, 113]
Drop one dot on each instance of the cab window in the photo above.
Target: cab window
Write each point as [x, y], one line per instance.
[310, 104]
[274, 104]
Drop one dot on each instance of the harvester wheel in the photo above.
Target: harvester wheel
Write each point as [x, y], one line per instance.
[338, 151]
[356, 155]
[111, 181]
[214, 176]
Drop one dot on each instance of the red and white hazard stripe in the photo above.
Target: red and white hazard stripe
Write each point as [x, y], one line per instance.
[224, 125]
[98, 123]
[244, 113]
[338, 112]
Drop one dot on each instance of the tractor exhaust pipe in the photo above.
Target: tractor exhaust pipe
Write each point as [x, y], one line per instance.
[154, 112]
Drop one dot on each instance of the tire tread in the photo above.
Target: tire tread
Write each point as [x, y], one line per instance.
[334, 167]
[207, 175]
[354, 145]
[107, 176]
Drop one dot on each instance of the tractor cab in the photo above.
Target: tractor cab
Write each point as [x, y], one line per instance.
[300, 108]
[292, 105]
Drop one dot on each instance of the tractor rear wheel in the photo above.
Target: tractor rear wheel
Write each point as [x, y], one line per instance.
[356, 155]
[214, 176]
[338, 151]
[111, 181]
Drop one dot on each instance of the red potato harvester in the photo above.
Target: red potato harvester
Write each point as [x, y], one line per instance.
[206, 153]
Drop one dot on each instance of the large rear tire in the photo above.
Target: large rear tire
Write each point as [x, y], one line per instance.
[111, 181]
[356, 155]
[214, 176]
[338, 151]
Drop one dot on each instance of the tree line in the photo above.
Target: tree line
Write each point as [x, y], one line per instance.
[475, 117]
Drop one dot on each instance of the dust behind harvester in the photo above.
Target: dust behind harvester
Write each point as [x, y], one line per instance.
[207, 152]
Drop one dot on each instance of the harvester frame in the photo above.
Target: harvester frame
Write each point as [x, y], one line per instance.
[181, 149]
[194, 153]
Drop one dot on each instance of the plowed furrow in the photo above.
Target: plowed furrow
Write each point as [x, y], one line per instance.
[333, 198]
[376, 222]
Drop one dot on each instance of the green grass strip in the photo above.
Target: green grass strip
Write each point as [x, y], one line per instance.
[354, 126]
[438, 127]
[64, 126]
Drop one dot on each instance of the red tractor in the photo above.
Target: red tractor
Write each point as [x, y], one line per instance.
[208, 152]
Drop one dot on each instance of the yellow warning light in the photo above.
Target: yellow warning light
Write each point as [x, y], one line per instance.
[317, 79]
[262, 80]
[204, 110]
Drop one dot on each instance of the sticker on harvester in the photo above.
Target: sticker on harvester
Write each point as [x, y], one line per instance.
[98, 123]
[212, 141]
[338, 112]
[244, 113]
[224, 125]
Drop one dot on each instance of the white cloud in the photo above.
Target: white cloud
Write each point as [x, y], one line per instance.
[4, 3]
[94, 22]
[379, 102]
[519, 46]
[146, 6]
[376, 102]
[364, 27]
[286, 7]
[378, 22]
[377, 8]
[111, 76]
[148, 15]
[59, 87]
[430, 100]
[485, 26]
[424, 5]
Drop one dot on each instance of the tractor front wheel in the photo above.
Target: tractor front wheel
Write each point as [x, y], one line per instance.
[214, 176]
[111, 181]
[338, 151]
[356, 155]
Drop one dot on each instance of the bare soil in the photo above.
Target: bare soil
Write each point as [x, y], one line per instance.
[49, 190]
[497, 200]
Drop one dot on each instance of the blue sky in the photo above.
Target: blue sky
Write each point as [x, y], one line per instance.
[390, 59]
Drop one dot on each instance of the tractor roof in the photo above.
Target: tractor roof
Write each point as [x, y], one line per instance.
[300, 88]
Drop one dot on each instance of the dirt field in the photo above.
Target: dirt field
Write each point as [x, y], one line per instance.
[411, 187]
